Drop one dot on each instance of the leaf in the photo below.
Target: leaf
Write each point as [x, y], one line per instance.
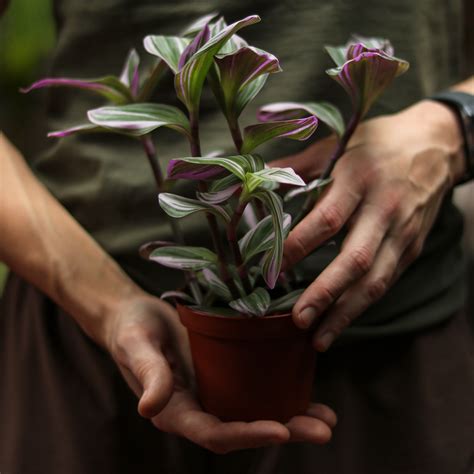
[324, 111]
[255, 304]
[366, 76]
[297, 129]
[285, 303]
[140, 119]
[129, 76]
[274, 175]
[261, 237]
[167, 48]
[190, 79]
[337, 54]
[184, 258]
[198, 42]
[319, 184]
[180, 206]
[234, 43]
[197, 25]
[109, 87]
[146, 249]
[180, 295]
[237, 71]
[216, 285]
[205, 167]
[221, 184]
[272, 259]
[77, 129]
[217, 197]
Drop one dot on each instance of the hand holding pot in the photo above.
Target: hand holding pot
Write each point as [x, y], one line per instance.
[387, 190]
[150, 346]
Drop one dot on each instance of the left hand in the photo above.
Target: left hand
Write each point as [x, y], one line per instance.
[387, 190]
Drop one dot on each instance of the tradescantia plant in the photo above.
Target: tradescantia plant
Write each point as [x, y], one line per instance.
[241, 273]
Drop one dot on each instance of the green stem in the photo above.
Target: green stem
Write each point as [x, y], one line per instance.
[150, 152]
[236, 133]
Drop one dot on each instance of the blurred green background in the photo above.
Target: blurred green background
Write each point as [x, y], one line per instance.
[26, 36]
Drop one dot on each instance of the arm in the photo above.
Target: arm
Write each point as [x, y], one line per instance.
[387, 190]
[42, 243]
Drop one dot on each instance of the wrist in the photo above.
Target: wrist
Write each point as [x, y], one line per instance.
[440, 128]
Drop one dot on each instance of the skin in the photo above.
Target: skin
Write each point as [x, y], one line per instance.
[42, 243]
[387, 191]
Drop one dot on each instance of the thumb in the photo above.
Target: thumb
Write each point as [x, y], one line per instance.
[149, 375]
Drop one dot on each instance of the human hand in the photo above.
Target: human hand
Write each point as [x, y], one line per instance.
[387, 190]
[151, 349]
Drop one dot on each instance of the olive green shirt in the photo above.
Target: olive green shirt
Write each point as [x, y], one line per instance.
[105, 181]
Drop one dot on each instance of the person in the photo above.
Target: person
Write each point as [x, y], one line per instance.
[64, 405]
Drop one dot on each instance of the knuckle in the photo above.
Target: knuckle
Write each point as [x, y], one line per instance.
[360, 260]
[343, 321]
[377, 288]
[332, 218]
[299, 248]
[325, 296]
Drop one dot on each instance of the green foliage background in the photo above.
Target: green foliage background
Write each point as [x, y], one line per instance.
[26, 36]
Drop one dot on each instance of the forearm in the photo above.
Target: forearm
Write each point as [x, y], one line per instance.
[42, 243]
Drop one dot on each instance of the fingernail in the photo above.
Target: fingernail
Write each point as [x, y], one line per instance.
[324, 341]
[307, 316]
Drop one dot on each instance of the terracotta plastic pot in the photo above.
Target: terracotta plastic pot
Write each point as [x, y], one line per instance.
[250, 369]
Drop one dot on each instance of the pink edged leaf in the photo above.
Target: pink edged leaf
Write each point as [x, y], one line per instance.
[324, 111]
[215, 284]
[217, 197]
[254, 304]
[140, 119]
[77, 129]
[109, 87]
[366, 76]
[297, 129]
[184, 258]
[190, 79]
[129, 75]
[197, 43]
[177, 295]
[237, 71]
[168, 48]
[146, 249]
[197, 25]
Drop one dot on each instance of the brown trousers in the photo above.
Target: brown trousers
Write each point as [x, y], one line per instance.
[405, 406]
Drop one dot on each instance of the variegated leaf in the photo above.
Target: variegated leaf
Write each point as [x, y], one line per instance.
[77, 129]
[129, 76]
[316, 184]
[180, 295]
[234, 43]
[180, 206]
[109, 87]
[184, 258]
[167, 48]
[272, 259]
[197, 43]
[261, 237]
[285, 303]
[197, 25]
[216, 285]
[146, 249]
[255, 304]
[216, 197]
[221, 184]
[297, 129]
[140, 119]
[190, 79]
[213, 166]
[274, 175]
[324, 111]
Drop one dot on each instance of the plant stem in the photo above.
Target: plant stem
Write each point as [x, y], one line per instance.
[338, 152]
[211, 219]
[236, 133]
[234, 245]
[151, 81]
[150, 152]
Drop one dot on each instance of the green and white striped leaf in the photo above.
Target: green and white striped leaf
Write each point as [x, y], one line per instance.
[279, 175]
[234, 43]
[216, 285]
[167, 48]
[180, 295]
[317, 185]
[205, 167]
[179, 206]
[255, 304]
[297, 129]
[190, 79]
[272, 259]
[129, 75]
[77, 129]
[285, 303]
[324, 111]
[217, 197]
[184, 258]
[223, 183]
[261, 237]
[140, 119]
[197, 25]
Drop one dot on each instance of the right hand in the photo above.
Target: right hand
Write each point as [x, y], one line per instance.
[151, 349]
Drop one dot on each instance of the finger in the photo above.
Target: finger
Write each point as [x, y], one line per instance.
[355, 260]
[322, 412]
[142, 357]
[309, 430]
[360, 296]
[184, 417]
[324, 221]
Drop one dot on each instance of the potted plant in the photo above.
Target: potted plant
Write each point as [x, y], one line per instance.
[236, 303]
